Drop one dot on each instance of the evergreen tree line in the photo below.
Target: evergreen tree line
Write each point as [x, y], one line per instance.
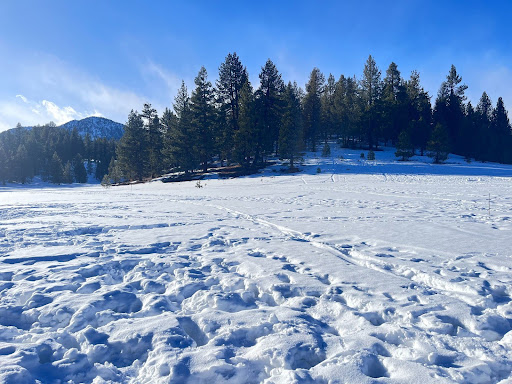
[56, 154]
[233, 123]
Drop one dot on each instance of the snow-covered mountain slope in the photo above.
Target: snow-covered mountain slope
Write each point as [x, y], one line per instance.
[96, 127]
[362, 273]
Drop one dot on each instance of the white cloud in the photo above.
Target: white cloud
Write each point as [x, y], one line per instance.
[22, 98]
[59, 114]
[63, 115]
[63, 93]
[28, 112]
[13, 112]
[4, 126]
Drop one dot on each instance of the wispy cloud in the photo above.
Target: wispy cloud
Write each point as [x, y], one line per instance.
[22, 98]
[171, 81]
[62, 115]
[22, 110]
[164, 83]
[49, 89]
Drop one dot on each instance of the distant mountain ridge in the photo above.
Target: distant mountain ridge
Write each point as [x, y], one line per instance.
[96, 127]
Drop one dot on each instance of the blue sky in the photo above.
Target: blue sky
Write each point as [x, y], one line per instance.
[61, 60]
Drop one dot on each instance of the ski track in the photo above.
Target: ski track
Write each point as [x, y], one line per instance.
[240, 283]
[424, 280]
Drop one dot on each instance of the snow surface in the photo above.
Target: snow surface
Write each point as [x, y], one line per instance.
[368, 272]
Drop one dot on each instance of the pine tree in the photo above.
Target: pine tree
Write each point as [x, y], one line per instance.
[371, 88]
[31, 152]
[203, 117]
[56, 169]
[35, 154]
[438, 146]
[328, 111]
[243, 145]
[484, 107]
[353, 108]
[483, 126]
[67, 174]
[181, 144]
[169, 123]
[453, 85]
[269, 100]
[290, 134]
[79, 171]
[23, 171]
[88, 148]
[132, 150]
[313, 107]
[76, 144]
[449, 108]
[105, 149]
[500, 133]
[404, 146]
[500, 124]
[114, 175]
[395, 104]
[232, 77]
[340, 110]
[420, 112]
[471, 130]
[154, 139]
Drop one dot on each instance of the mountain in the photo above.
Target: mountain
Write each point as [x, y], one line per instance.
[96, 127]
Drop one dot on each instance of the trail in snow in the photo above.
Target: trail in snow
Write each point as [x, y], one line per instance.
[294, 235]
[379, 263]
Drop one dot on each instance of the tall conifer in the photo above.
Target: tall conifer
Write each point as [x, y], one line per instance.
[154, 139]
[269, 99]
[132, 150]
[203, 117]
[371, 88]
[290, 135]
[232, 77]
[313, 107]
[181, 142]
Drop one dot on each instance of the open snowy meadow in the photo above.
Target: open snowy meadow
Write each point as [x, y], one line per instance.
[367, 272]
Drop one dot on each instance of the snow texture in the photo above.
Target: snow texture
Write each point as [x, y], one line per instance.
[368, 272]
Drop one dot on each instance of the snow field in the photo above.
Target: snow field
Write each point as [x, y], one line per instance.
[359, 274]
